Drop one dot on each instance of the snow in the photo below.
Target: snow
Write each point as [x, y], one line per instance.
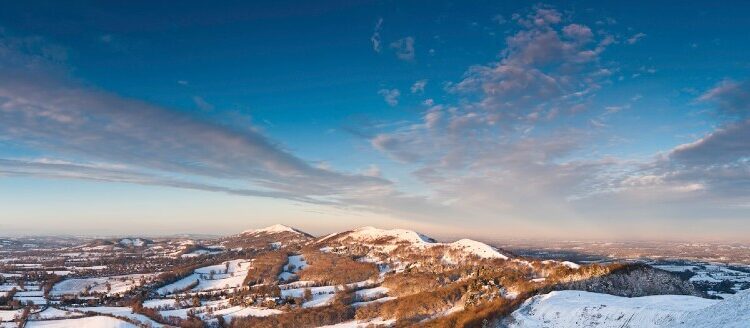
[239, 311]
[137, 242]
[479, 249]
[379, 300]
[232, 278]
[584, 309]
[87, 322]
[732, 312]
[361, 324]
[221, 308]
[371, 293]
[320, 295]
[38, 300]
[10, 286]
[118, 284]
[718, 273]
[319, 300]
[295, 260]
[53, 313]
[399, 235]
[284, 276]
[200, 252]
[570, 265]
[298, 262]
[155, 303]
[9, 315]
[276, 228]
[121, 311]
[179, 285]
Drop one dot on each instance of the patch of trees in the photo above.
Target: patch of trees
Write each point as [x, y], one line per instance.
[299, 318]
[7, 299]
[166, 278]
[632, 280]
[334, 269]
[266, 268]
[49, 283]
[416, 307]
[408, 283]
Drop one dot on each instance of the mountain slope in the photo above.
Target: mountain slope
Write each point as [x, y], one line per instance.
[387, 240]
[583, 309]
[732, 312]
[561, 309]
[273, 229]
[274, 236]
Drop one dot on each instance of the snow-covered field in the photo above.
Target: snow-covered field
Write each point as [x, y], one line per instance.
[220, 308]
[53, 313]
[371, 293]
[9, 315]
[121, 311]
[320, 295]
[227, 275]
[362, 324]
[87, 322]
[293, 265]
[105, 285]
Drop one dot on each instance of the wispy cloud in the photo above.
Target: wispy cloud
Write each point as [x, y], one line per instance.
[41, 108]
[375, 38]
[404, 48]
[202, 103]
[635, 38]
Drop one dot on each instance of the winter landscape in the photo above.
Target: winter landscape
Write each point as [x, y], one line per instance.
[374, 163]
[279, 276]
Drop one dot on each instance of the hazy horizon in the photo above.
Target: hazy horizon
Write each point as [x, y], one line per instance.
[555, 120]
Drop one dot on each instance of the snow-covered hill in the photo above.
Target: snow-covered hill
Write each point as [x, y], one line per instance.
[392, 237]
[273, 229]
[561, 309]
[372, 234]
[274, 236]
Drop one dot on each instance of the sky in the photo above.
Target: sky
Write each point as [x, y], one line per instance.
[490, 119]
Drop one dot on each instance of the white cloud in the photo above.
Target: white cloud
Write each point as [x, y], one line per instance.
[390, 96]
[418, 87]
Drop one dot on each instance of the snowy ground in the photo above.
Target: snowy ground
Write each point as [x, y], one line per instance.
[227, 275]
[120, 311]
[371, 293]
[732, 312]
[220, 308]
[9, 315]
[402, 236]
[116, 284]
[362, 324]
[53, 313]
[87, 322]
[563, 309]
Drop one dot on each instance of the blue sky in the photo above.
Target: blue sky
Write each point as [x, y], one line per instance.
[562, 120]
